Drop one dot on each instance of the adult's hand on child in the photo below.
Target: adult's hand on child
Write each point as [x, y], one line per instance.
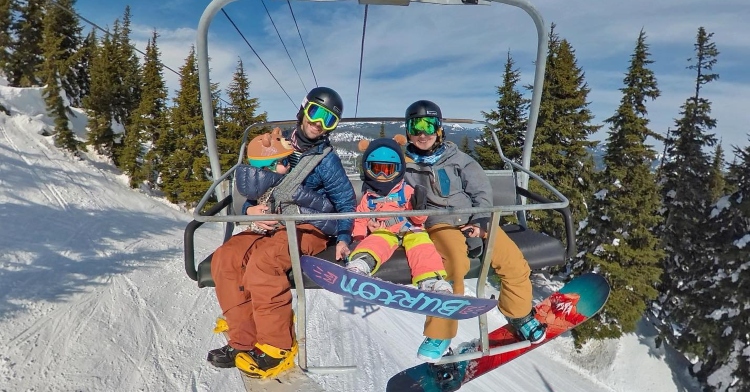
[267, 225]
[261, 209]
[342, 250]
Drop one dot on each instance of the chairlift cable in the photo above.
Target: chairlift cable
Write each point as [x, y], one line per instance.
[283, 44]
[258, 56]
[303, 43]
[361, 55]
[106, 32]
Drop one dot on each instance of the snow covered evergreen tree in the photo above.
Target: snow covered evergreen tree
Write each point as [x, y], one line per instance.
[718, 184]
[686, 291]
[720, 337]
[618, 238]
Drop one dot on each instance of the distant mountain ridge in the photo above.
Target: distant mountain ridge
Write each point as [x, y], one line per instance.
[347, 135]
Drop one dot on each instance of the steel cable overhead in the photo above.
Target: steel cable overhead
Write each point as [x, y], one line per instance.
[258, 56]
[361, 55]
[284, 45]
[303, 42]
[94, 25]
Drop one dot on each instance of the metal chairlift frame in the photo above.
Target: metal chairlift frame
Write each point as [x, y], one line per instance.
[524, 171]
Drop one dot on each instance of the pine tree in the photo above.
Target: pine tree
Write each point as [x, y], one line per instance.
[150, 120]
[186, 174]
[128, 89]
[67, 28]
[561, 153]
[687, 196]
[240, 114]
[100, 102]
[81, 68]
[147, 121]
[26, 59]
[6, 39]
[507, 121]
[717, 183]
[55, 67]
[723, 330]
[618, 239]
[465, 145]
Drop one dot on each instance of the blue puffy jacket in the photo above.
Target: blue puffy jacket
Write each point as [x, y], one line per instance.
[326, 189]
[253, 183]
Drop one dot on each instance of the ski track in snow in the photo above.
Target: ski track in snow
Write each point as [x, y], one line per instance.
[94, 297]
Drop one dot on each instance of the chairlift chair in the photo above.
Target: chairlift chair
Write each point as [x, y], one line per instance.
[510, 194]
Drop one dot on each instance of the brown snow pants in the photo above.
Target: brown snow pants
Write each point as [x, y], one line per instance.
[250, 272]
[507, 261]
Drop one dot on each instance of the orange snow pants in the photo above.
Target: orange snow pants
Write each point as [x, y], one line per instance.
[421, 254]
[507, 261]
[250, 272]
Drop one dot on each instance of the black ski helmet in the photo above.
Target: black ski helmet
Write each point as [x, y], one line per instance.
[424, 108]
[325, 97]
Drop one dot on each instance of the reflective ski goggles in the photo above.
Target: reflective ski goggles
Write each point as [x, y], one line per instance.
[316, 113]
[383, 170]
[427, 125]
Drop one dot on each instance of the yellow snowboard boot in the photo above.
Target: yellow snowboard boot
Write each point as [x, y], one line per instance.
[265, 361]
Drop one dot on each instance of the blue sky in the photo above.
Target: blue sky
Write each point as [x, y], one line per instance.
[453, 55]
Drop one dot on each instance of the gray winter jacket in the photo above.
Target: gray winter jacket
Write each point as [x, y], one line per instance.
[455, 180]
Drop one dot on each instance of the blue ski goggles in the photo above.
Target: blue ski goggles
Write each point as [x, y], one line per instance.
[423, 125]
[316, 113]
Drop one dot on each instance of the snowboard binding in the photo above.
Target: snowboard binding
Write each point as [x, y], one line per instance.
[448, 375]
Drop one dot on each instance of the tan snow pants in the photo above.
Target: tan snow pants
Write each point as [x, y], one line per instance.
[507, 261]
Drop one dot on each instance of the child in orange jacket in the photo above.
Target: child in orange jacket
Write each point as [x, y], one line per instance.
[385, 190]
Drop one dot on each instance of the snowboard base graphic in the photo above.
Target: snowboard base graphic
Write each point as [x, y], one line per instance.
[337, 279]
[577, 301]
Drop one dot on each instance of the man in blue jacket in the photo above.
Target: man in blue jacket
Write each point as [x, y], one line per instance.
[250, 269]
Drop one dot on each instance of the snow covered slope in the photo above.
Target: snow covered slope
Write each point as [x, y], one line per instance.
[93, 295]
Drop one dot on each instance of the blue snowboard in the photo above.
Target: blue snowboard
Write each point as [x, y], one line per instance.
[337, 279]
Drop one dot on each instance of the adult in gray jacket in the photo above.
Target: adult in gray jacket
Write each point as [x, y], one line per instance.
[454, 179]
